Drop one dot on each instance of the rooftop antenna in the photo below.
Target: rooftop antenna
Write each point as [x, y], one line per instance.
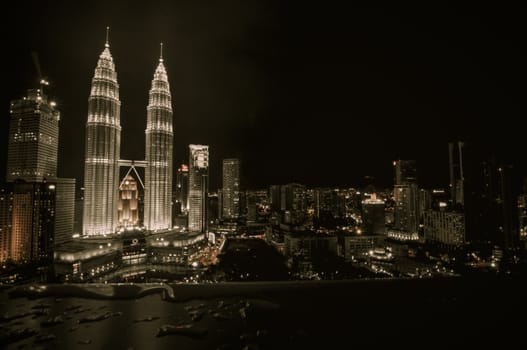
[161, 54]
[107, 44]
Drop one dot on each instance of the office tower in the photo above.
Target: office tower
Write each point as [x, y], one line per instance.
[522, 211]
[158, 152]
[198, 187]
[230, 205]
[33, 138]
[102, 150]
[33, 220]
[41, 205]
[293, 203]
[373, 218]
[64, 209]
[456, 171]
[182, 188]
[6, 209]
[274, 198]
[128, 208]
[405, 196]
[445, 227]
[405, 172]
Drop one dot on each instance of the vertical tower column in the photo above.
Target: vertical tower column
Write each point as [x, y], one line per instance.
[103, 141]
[158, 152]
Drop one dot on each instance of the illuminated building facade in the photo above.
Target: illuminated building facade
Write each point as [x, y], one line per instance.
[33, 138]
[64, 209]
[230, 204]
[33, 220]
[38, 211]
[102, 149]
[6, 215]
[128, 209]
[182, 188]
[159, 143]
[405, 196]
[198, 187]
[445, 227]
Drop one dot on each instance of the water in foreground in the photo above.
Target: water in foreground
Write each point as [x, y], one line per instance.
[264, 315]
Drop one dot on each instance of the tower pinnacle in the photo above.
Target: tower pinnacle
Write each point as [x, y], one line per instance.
[107, 44]
[161, 54]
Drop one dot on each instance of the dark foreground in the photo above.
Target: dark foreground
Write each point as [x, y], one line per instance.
[267, 315]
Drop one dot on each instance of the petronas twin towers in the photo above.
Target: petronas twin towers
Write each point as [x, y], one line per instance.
[103, 140]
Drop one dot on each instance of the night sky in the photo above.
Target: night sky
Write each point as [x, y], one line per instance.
[317, 94]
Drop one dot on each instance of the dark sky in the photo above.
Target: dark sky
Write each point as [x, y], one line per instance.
[318, 94]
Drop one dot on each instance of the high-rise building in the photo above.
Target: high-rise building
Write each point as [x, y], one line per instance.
[198, 187]
[456, 170]
[230, 205]
[128, 208]
[6, 215]
[40, 210]
[522, 211]
[445, 227]
[182, 188]
[64, 209]
[274, 198]
[33, 220]
[102, 150]
[293, 203]
[405, 172]
[405, 196]
[158, 153]
[33, 138]
[373, 217]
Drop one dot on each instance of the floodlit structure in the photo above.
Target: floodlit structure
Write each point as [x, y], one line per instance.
[33, 138]
[230, 205]
[158, 152]
[103, 141]
[198, 187]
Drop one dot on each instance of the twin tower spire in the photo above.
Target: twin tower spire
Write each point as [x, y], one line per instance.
[102, 150]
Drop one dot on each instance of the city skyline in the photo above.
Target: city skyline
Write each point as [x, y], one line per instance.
[286, 96]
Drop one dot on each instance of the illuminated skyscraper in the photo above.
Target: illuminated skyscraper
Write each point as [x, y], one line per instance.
[6, 221]
[405, 196]
[33, 138]
[159, 142]
[38, 212]
[198, 187]
[230, 205]
[182, 188]
[102, 150]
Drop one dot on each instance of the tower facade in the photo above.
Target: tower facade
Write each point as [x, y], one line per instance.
[373, 216]
[198, 187]
[158, 153]
[405, 196]
[102, 149]
[230, 205]
[33, 138]
[182, 188]
[456, 171]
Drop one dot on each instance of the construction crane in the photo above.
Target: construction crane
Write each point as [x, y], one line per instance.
[42, 81]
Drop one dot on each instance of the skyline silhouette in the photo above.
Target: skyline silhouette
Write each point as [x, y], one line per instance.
[321, 95]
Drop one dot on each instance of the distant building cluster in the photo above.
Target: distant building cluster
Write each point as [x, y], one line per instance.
[167, 216]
